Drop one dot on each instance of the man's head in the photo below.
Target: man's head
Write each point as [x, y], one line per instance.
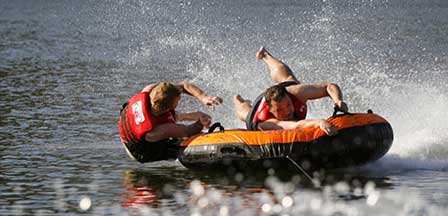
[279, 102]
[164, 97]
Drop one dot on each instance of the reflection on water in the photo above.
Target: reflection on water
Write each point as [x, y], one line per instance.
[159, 191]
[138, 191]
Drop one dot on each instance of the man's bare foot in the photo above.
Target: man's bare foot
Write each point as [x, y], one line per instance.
[261, 53]
[242, 107]
[237, 100]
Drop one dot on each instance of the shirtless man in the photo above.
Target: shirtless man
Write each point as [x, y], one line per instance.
[148, 122]
[283, 106]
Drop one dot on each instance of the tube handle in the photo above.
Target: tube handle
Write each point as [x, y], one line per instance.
[336, 110]
[214, 126]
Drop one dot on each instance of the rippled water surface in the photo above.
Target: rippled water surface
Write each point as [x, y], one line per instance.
[67, 66]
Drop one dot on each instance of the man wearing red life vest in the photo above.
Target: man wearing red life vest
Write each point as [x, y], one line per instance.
[148, 122]
[283, 106]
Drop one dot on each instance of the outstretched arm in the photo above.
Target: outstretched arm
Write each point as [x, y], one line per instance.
[203, 118]
[314, 91]
[190, 89]
[274, 124]
[196, 92]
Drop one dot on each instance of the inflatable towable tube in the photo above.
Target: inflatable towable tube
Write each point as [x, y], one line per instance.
[361, 138]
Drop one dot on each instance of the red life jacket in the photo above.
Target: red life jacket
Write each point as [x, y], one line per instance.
[262, 113]
[136, 118]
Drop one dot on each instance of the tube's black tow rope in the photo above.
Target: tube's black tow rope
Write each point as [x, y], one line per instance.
[304, 172]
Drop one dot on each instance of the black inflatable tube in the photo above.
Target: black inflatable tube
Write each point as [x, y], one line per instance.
[351, 147]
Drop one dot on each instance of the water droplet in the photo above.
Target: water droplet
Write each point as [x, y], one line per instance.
[224, 211]
[369, 187]
[202, 202]
[373, 198]
[266, 207]
[196, 188]
[85, 203]
[342, 188]
[287, 201]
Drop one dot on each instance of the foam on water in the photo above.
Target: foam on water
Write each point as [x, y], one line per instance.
[418, 117]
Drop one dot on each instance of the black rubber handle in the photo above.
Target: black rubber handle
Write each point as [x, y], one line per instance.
[214, 126]
[336, 110]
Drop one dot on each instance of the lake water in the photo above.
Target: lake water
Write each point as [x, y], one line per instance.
[67, 66]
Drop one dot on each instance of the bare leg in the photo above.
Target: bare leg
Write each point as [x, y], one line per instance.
[279, 71]
[242, 107]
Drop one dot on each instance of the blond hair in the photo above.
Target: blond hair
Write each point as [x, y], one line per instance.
[163, 96]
